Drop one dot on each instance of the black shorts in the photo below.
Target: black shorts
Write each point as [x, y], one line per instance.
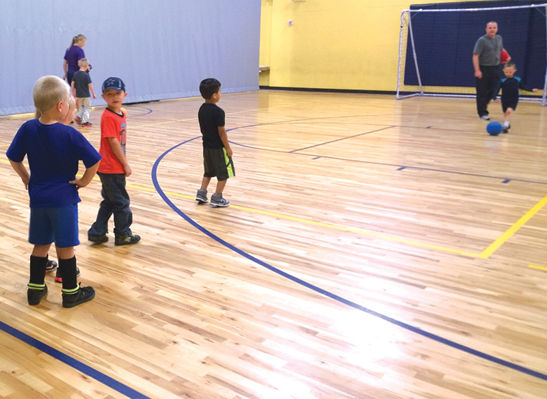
[509, 104]
[217, 164]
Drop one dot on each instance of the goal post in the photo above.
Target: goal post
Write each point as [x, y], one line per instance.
[436, 43]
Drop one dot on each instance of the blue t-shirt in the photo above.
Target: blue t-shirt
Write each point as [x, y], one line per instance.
[53, 153]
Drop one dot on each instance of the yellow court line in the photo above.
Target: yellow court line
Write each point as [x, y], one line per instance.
[513, 229]
[538, 267]
[21, 116]
[485, 254]
[334, 226]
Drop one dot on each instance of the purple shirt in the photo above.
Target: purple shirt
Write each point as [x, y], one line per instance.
[72, 55]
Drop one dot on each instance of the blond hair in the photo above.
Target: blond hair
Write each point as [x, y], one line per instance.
[76, 39]
[82, 62]
[48, 91]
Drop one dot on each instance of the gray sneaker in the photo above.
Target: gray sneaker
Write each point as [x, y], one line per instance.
[217, 201]
[485, 117]
[201, 196]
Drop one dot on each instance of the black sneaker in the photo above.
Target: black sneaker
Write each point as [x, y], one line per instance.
[97, 239]
[51, 265]
[35, 294]
[127, 240]
[59, 278]
[86, 124]
[81, 295]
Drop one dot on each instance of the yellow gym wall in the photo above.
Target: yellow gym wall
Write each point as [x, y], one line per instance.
[328, 44]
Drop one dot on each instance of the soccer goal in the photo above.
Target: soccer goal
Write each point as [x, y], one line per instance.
[436, 43]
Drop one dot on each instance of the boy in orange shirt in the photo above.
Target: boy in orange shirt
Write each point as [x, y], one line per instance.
[113, 169]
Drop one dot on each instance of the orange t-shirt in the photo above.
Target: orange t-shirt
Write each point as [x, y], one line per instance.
[112, 125]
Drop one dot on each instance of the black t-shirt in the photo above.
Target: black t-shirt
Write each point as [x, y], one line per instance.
[210, 118]
[510, 88]
[81, 81]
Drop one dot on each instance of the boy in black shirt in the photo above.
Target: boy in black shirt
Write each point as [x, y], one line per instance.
[81, 87]
[510, 86]
[217, 154]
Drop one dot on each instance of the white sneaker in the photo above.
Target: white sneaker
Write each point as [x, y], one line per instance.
[485, 117]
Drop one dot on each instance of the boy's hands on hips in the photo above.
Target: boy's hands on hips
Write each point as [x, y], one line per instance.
[78, 183]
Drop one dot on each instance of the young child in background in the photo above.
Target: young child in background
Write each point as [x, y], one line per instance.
[53, 151]
[504, 59]
[113, 170]
[510, 86]
[81, 88]
[217, 154]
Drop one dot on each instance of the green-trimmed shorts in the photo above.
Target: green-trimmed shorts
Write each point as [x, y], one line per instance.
[217, 164]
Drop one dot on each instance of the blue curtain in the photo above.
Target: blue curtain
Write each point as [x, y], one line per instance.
[161, 49]
[444, 42]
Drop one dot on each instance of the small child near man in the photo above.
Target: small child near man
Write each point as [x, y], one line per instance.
[113, 170]
[510, 86]
[217, 154]
[53, 151]
[81, 88]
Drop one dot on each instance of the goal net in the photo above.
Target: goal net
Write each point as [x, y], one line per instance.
[436, 44]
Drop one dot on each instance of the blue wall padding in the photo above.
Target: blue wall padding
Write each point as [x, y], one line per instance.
[160, 49]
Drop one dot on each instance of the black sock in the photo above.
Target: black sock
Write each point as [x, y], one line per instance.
[37, 269]
[67, 268]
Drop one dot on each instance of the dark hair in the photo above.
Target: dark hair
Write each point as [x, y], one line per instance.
[208, 87]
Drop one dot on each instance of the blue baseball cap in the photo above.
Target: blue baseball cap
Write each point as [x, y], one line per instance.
[113, 83]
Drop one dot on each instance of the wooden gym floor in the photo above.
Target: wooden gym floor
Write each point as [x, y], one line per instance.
[374, 249]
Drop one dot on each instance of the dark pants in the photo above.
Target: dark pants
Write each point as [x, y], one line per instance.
[498, 84]
[115, 201]
[485, 87]
[69, 76]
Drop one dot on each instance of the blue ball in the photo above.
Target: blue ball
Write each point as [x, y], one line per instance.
[494, 128]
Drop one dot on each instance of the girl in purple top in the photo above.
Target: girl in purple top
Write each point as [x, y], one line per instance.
[72, 55]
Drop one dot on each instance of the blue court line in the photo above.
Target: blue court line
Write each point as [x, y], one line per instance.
[399, 167]
[148, 110]
[329, 294]
[70, 361]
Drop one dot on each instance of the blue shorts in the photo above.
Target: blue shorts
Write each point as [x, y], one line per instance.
[54, 224]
